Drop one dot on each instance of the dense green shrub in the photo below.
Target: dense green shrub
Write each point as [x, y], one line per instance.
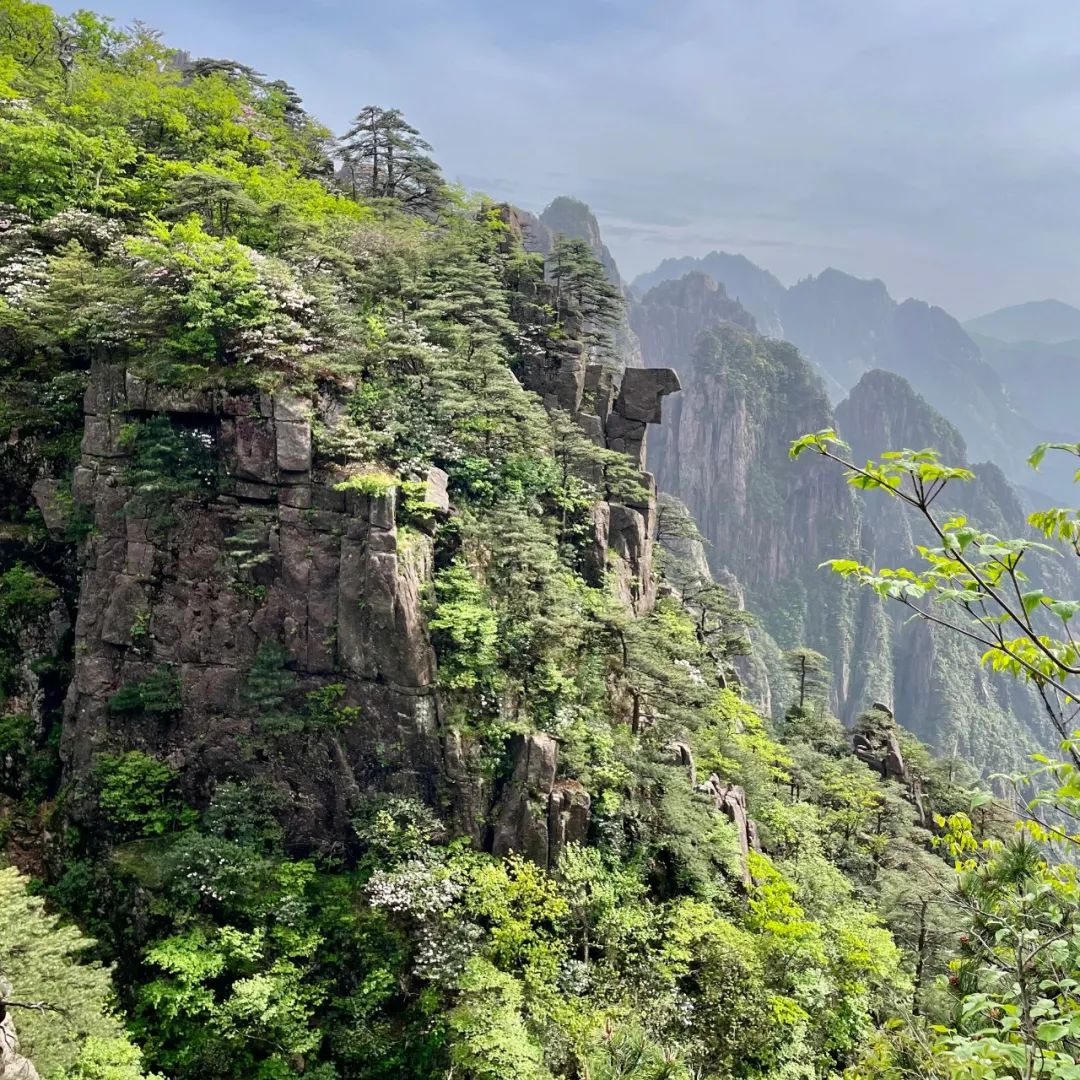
[156, 696]
[25, 593]
[138, 794]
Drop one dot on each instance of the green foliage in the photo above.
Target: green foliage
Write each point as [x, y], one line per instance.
[1014, 977]
[105, 1059]
[157, 696]
[180, 219]
[325, 708]
[385, 158]
[78, 1037]
[137, 793]
[372, 484]
[465, 630]
[976, 580]
[168, 464]
[1017, 1009]
[25, 594]
[268, 689]
[583, 290]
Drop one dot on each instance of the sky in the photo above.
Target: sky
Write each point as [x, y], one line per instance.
[934, 144]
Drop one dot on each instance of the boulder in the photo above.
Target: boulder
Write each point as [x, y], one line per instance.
[730, 800]
[55, 509]
[13, 1066]
[435, 490]
[642, 391]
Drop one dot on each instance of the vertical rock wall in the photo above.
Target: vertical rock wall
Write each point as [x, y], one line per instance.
[330, 581]
[275, 557]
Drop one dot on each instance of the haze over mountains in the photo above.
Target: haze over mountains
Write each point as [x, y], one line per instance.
[1047, 321]
[1003, 397]
[761, 363]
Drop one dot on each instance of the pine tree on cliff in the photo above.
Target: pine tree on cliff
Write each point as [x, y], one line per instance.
[582, 288]
[811, 671]
[385, 158]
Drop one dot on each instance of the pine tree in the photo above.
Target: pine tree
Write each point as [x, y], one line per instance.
[60, 1000]
[582, 289]
[812, 677]
[385, 158]
[219, 200]
[268, 688]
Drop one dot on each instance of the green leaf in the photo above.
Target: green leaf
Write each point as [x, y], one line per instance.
[1052, 1030]
[1031, 600]
[1064, 609]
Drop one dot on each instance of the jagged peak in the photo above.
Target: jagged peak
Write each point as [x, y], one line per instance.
[885, 412]
[718, 264]
[571, 217]
[839, 282]
[922, 317]
[696, 280]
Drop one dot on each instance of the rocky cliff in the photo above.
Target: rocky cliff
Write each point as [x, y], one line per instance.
[286, 573]
[938, 684]
[724, 453]
[573, 218]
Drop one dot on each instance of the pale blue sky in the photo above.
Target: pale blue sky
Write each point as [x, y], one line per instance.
[932, 143]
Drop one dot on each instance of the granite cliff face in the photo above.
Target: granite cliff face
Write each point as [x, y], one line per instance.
[669, 318]
[329, 585]
[757, 290]
[939, 686]
[723, 452]
[283, 561]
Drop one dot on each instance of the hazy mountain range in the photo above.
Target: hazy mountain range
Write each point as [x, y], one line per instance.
[1004, 392]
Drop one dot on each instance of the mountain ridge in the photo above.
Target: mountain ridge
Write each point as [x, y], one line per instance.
[1049, 322]
[846, 325]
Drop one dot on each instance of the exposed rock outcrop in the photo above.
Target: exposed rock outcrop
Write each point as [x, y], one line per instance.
[615, 409]
[573, 218]
[670, 317]
[537, 815]
[770, 523]
[756, 290]
[48, 494]
[885, 757]
[940, 689]
[327, 579]
[13, 1065]
[282, 555]
[723, 451]
[847, 326]
[730, 800]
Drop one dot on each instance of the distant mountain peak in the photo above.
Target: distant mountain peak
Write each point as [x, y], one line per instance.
[757, 290]
[574, 218]
[1046, 321]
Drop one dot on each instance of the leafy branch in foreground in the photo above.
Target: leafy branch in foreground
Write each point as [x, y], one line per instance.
[1015, 980]
[973, 582]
